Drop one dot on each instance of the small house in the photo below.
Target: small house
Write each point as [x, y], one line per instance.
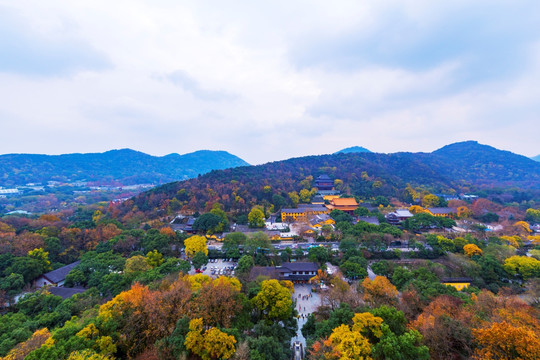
[347, 205]
[55, 277]
[457, 282]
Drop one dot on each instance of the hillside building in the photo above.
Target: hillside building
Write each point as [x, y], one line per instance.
[443, 212]
[56, 277]
[296, 272]
[319, 221]
[303, 212]
[458, 283]
[347, 205]
[324, 182]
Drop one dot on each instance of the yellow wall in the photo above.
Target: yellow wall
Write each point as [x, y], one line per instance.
[303, 215]
[330, 197]
[458, 286]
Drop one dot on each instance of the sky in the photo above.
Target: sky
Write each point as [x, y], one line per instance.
[268, 80]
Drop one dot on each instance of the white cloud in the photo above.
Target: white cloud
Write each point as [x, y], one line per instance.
[269, 81]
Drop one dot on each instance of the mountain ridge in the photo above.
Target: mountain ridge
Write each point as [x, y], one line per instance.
[446, 170]
[118, 165]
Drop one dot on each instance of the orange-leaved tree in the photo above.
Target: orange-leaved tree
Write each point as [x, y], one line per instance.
[505, 341]
[380, 291]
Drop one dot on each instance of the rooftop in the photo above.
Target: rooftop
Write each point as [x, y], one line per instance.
[299, 266]
[369, 219]
[442, 210]
[60, 274]
[344, 202]
[456, 280]
[403, 213]
[64, 292]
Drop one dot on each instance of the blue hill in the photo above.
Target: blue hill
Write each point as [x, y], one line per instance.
[125, 166]
[353, 149]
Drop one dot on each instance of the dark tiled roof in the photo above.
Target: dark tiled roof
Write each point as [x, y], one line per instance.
[302, 208]
[319, 219]
[312, 206]
[369, 219]
[317, 199]
[293, 211]
[60, 274]
[65, 293]
[299, 266]
[442, 210]
[327, 192]
[456, 279]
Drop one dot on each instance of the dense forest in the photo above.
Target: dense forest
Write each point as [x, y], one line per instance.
[458, 168]
[116, 166]
[141, 303]
[383, 290]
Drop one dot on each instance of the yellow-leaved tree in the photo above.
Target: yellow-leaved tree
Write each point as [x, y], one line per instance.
[211, 344]
[471, 249]
[416, 209]
[525, 266]
[514, 240]
[350, 344]
[39, 337]
[195, 244]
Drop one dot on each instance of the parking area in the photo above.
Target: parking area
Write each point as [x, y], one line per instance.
[219, 267]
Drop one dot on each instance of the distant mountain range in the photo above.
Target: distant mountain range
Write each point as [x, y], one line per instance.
[536, 158]
[353, 149]
[460, 167]
[124, 166]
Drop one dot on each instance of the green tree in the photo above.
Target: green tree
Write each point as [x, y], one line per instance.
[42, 256]
[293, 196]
[245, 264]
[135, 264]
[258, 241]
[319, 254]
[353, 270]
[154, 258]
[12, 284]
[209, 223]
[278, 201]
[407, 346]
[199, 260]
[232, 243]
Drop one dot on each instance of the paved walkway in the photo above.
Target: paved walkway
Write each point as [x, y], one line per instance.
[370, 273]
[306, 303]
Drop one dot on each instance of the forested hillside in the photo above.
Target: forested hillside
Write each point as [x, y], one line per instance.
[456, 168]
[125, 166]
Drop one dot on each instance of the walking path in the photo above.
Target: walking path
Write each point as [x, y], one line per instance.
[306, 303]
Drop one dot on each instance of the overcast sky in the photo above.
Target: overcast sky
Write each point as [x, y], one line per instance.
[268, 80]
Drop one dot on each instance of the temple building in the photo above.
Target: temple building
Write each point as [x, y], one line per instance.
[324, 182]
[304, 212]
[347, 205]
